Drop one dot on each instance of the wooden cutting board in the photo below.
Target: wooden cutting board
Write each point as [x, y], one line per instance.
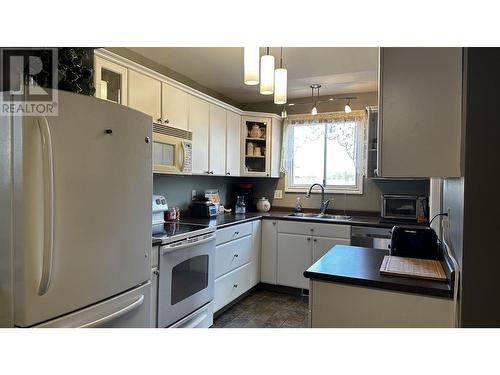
[413, 267]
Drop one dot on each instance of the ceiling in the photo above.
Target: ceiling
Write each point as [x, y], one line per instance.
[338, 70]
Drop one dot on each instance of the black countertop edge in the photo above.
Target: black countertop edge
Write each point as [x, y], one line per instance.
[156, 241]
[360, 266]
[415, 289]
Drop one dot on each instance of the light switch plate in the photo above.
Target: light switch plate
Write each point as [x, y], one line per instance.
[193, 195]
[278, 194]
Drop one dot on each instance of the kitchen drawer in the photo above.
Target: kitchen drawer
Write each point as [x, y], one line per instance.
[231, 286]
[233, 232]
[232, 255]
[317, 229]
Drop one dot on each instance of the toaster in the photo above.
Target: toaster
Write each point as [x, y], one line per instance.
[203, 209]
[414, 242]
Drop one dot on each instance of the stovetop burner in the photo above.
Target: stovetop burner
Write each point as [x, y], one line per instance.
[173, 231]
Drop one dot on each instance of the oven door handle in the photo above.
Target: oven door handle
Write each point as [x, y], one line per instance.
[186, 243]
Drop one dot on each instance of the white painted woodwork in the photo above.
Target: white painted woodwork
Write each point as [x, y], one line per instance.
[256, 252]
[233, 144]
[99, 64]
[420, 110]
[268, 262]
[294, 257]
[268, 145]
[276, 139]
[321, 245]
[232, 255]
[319, 229]
[144, 94]
[217, 143]
[174, 106]
[199, 125]
[337, 305]
[231, 286]
[233, 232]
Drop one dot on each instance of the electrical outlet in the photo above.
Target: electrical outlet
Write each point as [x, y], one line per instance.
[278, 194]
[193, 195]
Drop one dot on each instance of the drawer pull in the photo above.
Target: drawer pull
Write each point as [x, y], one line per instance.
[235, 285]
[236, 255]
[309, 238]
[236, 233]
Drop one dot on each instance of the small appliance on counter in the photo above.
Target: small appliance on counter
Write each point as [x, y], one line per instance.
[405, 208]
[203, 208]
[414, 242]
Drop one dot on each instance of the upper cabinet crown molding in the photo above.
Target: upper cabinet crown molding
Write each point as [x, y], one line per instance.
[117, 59]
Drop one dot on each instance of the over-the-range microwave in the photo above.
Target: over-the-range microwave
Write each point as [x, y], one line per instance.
[172, 150]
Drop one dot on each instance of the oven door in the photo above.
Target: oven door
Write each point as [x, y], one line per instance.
[168, 154]
[186, 280]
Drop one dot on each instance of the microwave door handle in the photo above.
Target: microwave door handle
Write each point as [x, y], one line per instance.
[182, 157]
[115, 315]
[187, 243]
[48, 206]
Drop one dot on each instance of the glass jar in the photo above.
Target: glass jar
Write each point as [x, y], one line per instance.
[240, 207]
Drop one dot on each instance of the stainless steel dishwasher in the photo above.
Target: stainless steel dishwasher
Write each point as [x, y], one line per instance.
[376, 237]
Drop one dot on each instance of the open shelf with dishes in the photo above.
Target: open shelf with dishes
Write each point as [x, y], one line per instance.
[256, 146]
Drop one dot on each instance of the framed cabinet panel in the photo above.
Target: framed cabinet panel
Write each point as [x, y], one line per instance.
[199, 123]
[233, 144]
[174, 106]
[217, 140]
[144, 94]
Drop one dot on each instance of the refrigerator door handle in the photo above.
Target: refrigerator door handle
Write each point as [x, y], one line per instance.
[48, 205]
[99, 322]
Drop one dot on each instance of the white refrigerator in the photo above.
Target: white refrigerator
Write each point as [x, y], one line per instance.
[75, 213]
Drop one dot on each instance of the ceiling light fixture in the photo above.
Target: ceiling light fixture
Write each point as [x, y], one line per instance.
[251, 65]
[314, 110]
[283, 113]
[347, 107]
[267, 74]
[280, 82]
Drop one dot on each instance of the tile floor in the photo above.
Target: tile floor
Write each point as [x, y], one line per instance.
[266, 309]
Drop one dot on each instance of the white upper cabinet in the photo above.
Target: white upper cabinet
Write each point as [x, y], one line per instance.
[420, 108]
[174, 105]
[276, 138]
[256, 139]
[144, 94]
[233, 144]
[199, 122]
[110, 81]
[217, 143]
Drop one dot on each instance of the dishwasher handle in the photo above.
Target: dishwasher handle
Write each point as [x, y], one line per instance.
[371, 232]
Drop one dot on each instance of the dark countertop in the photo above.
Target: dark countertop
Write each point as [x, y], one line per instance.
[224, 220]
[361, 266]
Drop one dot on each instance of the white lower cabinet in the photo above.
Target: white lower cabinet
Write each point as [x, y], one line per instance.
[237, 261]
[291, 247]
[231, 286]
[256, 251]
[321, 245]
[268, 260]
[294, 257]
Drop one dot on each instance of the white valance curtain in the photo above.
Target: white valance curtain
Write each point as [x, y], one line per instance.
[359, 117]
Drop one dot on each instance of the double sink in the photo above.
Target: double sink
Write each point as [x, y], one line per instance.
[303, 215]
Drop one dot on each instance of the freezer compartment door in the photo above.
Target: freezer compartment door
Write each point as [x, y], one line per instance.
[128, 310]
[82, 198]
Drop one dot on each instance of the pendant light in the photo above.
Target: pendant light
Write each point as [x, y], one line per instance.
[251, 65]
[314, 110]
[347, 107]
[267, 74]
[280, 82]
[283, 113]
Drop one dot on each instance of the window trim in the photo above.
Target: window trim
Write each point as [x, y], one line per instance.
[336, 189]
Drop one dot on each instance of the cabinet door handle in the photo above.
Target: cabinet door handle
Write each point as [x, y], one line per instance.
[236, 255]
[312, 229]
[267, 174]
[315, 240]
[274, 223]
[211, 172]
[207, 172]
[309, 238]
[235, 285]
[236, 233]
[166, 121]
[159, 121]
[228, 173]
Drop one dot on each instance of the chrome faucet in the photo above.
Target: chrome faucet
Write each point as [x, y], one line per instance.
[324, 204]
